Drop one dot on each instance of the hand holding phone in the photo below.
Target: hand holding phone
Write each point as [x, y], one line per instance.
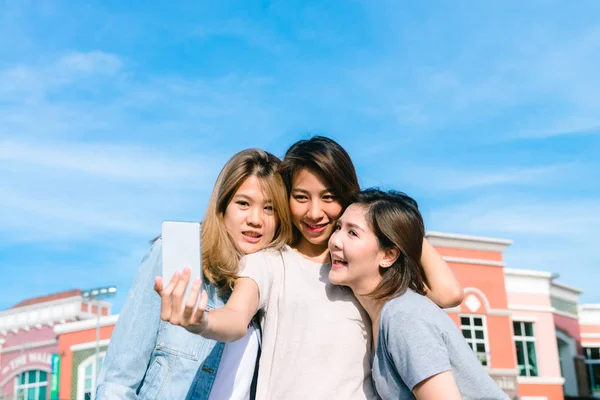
[188, 314]
[181, 259]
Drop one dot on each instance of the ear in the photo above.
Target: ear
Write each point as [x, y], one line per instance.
[389, 258]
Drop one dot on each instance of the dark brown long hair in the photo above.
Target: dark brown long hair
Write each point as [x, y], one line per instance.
[395, 219]
[327, 159]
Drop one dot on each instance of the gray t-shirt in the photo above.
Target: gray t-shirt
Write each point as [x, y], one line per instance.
[418, 340]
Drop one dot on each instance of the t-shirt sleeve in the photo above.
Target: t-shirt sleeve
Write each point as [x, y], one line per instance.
[415, 345]
[258, 268]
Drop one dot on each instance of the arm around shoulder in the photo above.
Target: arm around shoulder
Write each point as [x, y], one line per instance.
[443, 287]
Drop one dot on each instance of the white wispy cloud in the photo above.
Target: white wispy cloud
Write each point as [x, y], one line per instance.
[448, 178]
[103, 159]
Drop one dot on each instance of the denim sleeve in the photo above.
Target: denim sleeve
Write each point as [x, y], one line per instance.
[134, 337]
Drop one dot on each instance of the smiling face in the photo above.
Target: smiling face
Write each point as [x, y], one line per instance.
[314, 209]
[249, 217]
[355, 252]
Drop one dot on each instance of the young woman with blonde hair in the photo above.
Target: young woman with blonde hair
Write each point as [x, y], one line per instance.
[151, 359]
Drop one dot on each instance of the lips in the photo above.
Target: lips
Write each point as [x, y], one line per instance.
[315, 228]
[252, 236]
[337, 262]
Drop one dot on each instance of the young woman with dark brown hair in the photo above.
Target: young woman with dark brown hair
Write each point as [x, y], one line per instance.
[419, 352]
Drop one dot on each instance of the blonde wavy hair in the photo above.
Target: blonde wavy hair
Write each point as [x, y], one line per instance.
[220, 253]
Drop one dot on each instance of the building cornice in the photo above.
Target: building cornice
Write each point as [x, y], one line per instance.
[475, 261]
[28, 346]
[85, 324]
[454, 240]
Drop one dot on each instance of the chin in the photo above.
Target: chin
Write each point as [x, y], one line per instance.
[335, 279]
[249, 248]
[319, 241]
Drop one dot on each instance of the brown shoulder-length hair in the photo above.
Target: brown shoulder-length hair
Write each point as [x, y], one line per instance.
[220, 253]
[395, 219]
[326, 158]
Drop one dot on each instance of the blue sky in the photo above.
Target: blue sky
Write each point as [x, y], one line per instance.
[117, 115]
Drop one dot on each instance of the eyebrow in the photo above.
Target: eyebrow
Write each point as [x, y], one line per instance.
[328, 190]
[351, 225]
[245, 196]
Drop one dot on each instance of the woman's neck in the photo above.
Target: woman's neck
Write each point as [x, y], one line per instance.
[373, 308]
[313, 252]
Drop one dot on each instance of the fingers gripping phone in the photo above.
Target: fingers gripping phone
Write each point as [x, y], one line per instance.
[181, 248]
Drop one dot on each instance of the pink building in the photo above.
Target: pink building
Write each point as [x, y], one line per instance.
[589, 321]
[28, 341]
[534, 334]
[565, 301]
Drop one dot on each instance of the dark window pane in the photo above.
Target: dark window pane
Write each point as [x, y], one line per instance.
[480, 348]
[32, 376]
[478, 321]
[22, 378]
[88, 396]
[43, 376]
[470, 345]
[595, 354]
[520, 357]
[531, 359]
[594, 375]
[517, 328]
[465, 321]
[42, 393]
[466, 333]
[529, 329]
[479, 334]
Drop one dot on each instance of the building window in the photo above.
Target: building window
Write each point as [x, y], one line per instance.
[592, 359]
[86, 377]
[525, 344]
[31, 385]
[474, 330]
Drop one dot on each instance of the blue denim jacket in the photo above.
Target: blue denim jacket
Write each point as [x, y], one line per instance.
[151, 359]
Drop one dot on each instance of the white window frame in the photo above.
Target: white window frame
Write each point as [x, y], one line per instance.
[589, 362]
[37, 384]
[526, 339]
[473, 340]
[81, 376]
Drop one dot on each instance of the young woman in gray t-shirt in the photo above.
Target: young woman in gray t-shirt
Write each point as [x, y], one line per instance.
[418, 350]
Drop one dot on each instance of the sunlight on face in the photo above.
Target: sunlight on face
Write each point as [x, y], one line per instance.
[249, 217]
[355, 252]
[314, 207]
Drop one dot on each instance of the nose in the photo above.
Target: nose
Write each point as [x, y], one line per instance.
[334, 242]
[255, 216]
[315, 212]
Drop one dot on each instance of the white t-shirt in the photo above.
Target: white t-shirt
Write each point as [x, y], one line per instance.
[315, 335]
[236, 369]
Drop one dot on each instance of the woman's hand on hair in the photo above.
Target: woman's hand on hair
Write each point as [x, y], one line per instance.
[174, 310]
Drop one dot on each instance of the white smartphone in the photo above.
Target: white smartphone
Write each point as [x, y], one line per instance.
[181, 248]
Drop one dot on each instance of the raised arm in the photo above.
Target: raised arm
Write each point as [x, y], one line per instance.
[226, 324]
[442, 286]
